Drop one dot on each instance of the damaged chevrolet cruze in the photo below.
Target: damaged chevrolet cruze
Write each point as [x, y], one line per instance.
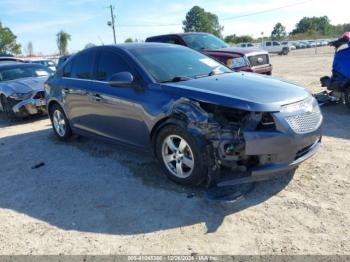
[195, 114]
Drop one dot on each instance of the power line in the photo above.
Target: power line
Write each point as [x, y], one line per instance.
[267, 10]
[223, 19]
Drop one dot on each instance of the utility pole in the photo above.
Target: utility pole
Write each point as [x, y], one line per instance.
[112, 22]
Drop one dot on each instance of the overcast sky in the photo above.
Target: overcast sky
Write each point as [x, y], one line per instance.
[86, 20]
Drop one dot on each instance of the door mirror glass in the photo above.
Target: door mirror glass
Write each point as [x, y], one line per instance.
[121, 79]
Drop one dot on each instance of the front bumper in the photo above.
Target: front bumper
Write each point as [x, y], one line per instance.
[277, 151]
[30, 106]
[265, 69]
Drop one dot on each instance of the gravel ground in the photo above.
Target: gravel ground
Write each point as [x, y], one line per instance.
[90, 197]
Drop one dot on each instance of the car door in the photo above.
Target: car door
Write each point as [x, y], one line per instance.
[75, 84]
[276, 47]
[117, 110]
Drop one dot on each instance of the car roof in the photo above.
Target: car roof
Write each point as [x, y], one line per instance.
[148, 45]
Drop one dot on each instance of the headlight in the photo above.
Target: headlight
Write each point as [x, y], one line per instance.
[307, 105]
[21, 96]
[237, 62]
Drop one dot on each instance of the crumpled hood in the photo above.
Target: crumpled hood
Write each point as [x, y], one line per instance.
[245, 91]
[24, 85]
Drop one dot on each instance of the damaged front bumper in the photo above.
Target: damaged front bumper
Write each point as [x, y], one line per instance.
[277, 151]
[31, 106]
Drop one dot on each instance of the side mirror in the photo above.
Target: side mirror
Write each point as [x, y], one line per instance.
[121, 79]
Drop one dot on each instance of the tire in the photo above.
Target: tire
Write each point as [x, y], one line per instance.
[189, 154]
[285, 51]
[7, 105]
[60, 123]
[347, 97]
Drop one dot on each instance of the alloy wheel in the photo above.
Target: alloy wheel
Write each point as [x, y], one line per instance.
[59, 123]
[177, 156]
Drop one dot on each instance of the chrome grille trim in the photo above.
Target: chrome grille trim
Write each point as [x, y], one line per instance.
[305, 121]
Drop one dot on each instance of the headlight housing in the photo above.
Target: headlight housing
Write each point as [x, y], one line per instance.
[307, 105]
[21, 96]
[237, 62]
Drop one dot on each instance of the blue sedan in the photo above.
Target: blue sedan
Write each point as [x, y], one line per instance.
[194, 113]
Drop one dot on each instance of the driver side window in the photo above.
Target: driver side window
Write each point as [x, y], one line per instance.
[110, 63]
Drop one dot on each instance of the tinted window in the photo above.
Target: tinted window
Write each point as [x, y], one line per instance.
[168, 63]
[82, 66]
[12, 73]
[203, 41]
[276, 43]
[67, 70]
[110, 63]
[268, 43]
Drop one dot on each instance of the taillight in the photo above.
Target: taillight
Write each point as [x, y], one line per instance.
[346, 36]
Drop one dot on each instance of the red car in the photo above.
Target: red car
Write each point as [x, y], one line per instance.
[240, 59]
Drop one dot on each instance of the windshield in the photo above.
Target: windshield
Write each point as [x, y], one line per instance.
[13, 73]
[44, 62]
[203, 41]
[170, 64]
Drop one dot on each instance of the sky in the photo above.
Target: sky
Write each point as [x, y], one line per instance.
[38, 21]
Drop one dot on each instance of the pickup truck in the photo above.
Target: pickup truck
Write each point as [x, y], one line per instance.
[275, 47]
[239, 59]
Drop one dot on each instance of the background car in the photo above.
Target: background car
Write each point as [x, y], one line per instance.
[239, 59]
[22, 89]
[194, 113]
[45, 62]
[245, 45]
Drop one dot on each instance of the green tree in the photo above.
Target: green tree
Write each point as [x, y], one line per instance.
[8, 42]
[62, 39]
[128, 40]
[234, 39]
[279, 32]
[310, 25]
[198, 20]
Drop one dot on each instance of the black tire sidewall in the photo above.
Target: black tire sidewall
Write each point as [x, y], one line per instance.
[68, 132]
[198, 147]
[6, 106]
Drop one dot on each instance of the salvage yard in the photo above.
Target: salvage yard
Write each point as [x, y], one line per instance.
[92, 197]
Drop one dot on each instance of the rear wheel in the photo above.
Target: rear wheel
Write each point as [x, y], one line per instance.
[182, 157]
[7, 105]
[60, 123]
[285, 51]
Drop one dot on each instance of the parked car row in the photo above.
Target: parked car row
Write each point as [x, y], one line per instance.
[180, 98]
[284, 47]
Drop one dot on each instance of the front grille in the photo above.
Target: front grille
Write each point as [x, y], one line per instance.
[258, 60]
[39, 95]
[305, 122]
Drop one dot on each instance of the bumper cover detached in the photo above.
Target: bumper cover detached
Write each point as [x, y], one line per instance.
[31, 106]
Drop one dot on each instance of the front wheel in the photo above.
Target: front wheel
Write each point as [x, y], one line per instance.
[183, 158]
[60, 123]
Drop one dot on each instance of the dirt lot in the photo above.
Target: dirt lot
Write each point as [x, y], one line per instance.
[91, 197]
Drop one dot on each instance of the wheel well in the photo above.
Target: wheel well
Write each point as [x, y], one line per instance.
[174, 119]
[51, 104]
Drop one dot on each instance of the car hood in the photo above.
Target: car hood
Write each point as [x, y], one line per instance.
[24, 85]
[239, 50]
[245, 91]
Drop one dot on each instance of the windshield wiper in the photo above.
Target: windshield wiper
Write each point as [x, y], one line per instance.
[177, 79]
